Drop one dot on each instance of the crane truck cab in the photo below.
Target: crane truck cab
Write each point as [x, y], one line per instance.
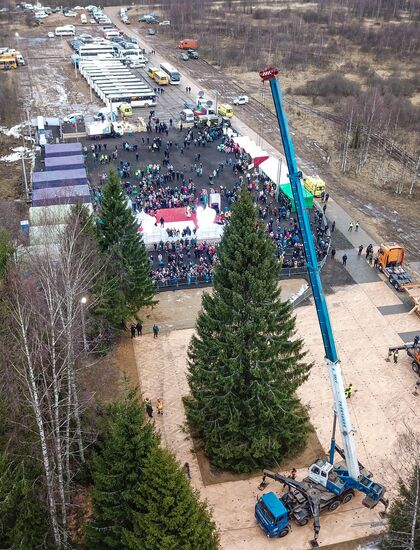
[272, 515]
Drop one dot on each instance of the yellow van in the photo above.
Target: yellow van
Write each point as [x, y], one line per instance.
[225, 110]
[314, 185]
[125, 109]
[151, 71]
[160, 78]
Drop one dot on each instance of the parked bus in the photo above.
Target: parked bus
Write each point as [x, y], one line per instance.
[151, 71]
[173, 74]
[146, 99]
[64, 31]
[42, 138]
[7, 62]
[161, 78]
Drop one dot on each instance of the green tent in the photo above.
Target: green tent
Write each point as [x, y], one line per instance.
[287, 191]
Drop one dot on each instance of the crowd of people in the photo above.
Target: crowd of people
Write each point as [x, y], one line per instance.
[159, 185]
[183, 261]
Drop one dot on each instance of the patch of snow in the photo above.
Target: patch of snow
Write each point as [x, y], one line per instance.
[17, 154]
[15, 131]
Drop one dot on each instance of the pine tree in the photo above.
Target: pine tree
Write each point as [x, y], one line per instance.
[404, 515]
[117, 473]
[119, 238]
[173, 517]
[245, 364]
[23, 515]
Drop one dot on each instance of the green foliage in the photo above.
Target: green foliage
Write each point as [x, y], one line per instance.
[403, 514]
[141, 498]
[173, 518]
[23, 516]
[117, 473]
[244, 363]
[6, 250]
[120, 241]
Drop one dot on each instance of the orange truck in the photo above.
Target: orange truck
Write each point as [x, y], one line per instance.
[390, 261]
[188, 44]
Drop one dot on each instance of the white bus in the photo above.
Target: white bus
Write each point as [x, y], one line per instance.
[64, 31]
[173, 74]
[42, 138]
[142, 99]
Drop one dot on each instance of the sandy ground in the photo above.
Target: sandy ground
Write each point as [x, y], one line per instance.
[382, 405]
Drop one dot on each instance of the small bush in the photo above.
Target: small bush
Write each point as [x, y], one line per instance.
[333, 84]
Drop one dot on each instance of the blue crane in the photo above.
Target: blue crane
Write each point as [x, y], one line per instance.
[336, 479]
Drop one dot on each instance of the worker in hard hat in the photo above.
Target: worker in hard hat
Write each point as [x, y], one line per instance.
[396, 354]
[349, 391]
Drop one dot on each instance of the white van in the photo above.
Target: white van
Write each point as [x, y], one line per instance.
[186, 115]
[83, 19]
[64, 31]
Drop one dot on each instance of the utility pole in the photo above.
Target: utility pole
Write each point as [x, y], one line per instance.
[24, 167]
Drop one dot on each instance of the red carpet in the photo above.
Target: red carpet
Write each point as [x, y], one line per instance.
[171, 215]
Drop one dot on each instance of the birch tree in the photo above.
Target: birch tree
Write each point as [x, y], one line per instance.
[43, 299]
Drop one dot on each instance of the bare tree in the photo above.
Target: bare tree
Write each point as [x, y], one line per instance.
[44, 308]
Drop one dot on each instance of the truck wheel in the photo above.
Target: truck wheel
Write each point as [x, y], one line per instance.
[334, 505]
[416, 367]
[283, 533]
[347, 498]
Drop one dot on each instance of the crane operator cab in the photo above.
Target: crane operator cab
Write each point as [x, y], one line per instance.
[322, 472]
[337, 480]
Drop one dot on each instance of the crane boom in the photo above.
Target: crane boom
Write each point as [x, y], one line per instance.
[340, 405]
[351, 476]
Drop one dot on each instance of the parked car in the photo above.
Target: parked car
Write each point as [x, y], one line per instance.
[72, 118]
[151, 31]
[189, 105]
[70, 14]
[241, 100]
[137, 63]
[184, 57]
[164, 23]
[56, 9]
[50, 35]
[193, 54]
[92, 21]
[78, 8]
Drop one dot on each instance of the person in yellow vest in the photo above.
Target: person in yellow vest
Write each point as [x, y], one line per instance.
[349, 391]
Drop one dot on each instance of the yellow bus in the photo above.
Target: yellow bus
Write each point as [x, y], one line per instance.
[161, 78]
[151, 71]
[7, 62]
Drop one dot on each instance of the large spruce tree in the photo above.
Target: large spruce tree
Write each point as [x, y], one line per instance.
[141, 498]
[120, 240]
[245, 363]
[23, 515]
[173, 517]
[117, 473]
[404, 514]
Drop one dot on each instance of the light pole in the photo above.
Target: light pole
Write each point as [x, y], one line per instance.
[83, 301]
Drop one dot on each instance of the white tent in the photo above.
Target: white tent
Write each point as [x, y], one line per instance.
[253, 150]
[275, 170]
